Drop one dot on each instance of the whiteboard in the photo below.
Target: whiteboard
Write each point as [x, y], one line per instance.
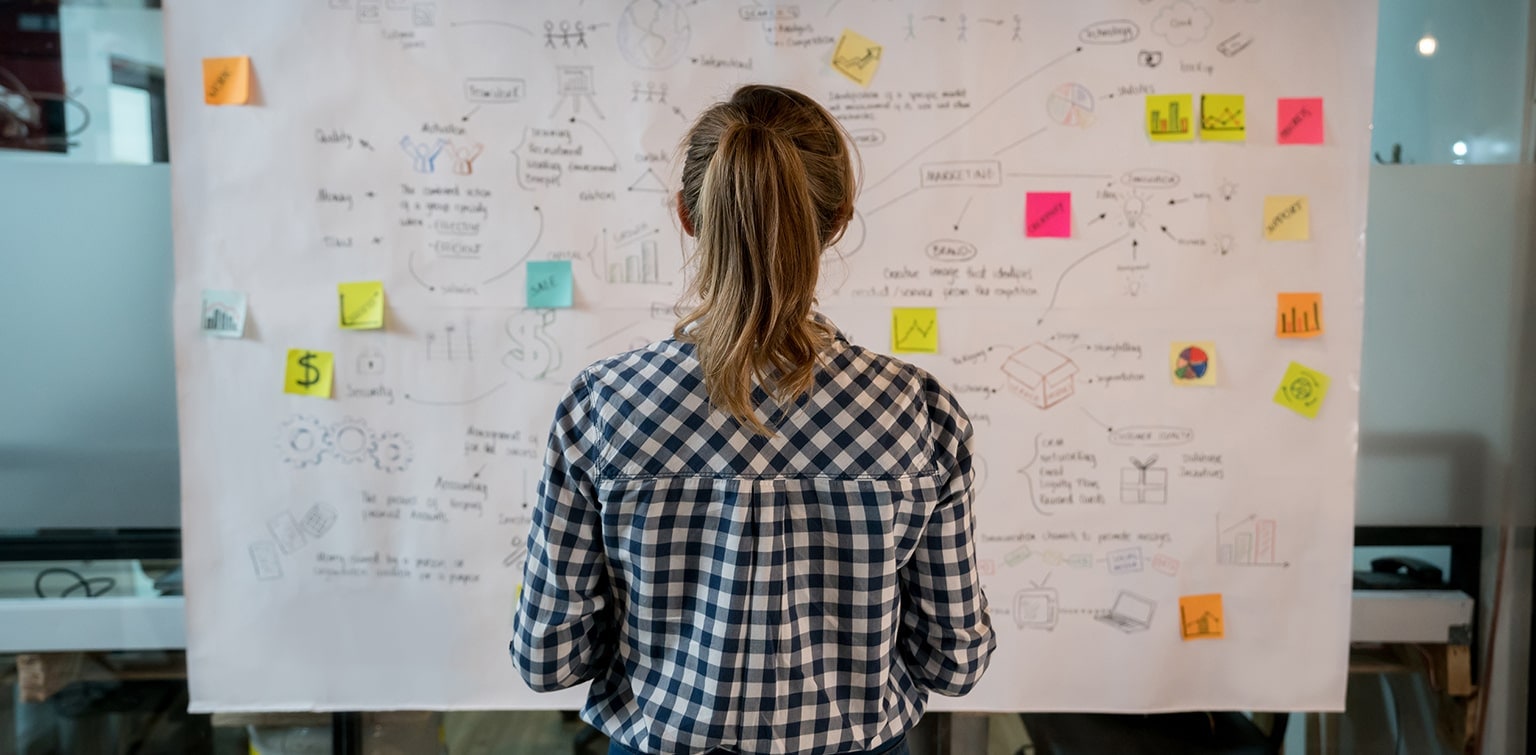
[363, 551]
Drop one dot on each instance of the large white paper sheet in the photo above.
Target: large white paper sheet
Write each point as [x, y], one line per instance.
[1106, 294]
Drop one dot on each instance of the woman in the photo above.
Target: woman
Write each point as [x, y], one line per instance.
[755, 536]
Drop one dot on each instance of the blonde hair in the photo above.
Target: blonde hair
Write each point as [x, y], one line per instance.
[768, 185]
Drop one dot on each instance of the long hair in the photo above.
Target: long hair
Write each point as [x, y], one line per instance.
[768, 185]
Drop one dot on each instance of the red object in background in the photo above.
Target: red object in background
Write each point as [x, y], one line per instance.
[32, 99]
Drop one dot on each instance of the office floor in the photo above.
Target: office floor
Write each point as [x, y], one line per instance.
[542, 732]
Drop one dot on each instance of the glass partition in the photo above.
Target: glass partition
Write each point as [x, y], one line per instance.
[88, 454]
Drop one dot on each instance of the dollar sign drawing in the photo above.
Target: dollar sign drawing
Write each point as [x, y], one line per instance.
[311, 372]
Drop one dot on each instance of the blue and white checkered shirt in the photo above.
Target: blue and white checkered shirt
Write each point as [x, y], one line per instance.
[795, 594]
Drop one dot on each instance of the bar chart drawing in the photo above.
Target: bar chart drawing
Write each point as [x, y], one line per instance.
[642, 267]
[1168, 117]
[1249, 542]
[223, 314]
[1301, 322]
[219, 320]
[1300, 315]
[1172, 123]
[451, 343]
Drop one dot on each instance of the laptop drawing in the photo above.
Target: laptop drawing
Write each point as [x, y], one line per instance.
[1131, 613]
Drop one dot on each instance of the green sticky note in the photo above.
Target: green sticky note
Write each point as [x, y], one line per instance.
[1302, 390]
[915, 330]
[549, 284]
[362, 305]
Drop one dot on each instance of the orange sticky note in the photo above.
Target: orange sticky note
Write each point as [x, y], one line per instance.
[1200, 617]
[227, 81]
[1299, 315]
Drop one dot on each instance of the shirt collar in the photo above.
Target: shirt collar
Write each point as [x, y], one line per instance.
[837, 332]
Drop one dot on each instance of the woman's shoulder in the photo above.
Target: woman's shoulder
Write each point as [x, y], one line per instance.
[908, 378]
[652, 361]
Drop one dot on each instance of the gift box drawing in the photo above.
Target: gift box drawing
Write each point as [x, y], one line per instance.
[1041, 374]
[1144, 483]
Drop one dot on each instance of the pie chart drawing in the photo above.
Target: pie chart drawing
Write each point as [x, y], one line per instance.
[1070, 105]
[1192, 364]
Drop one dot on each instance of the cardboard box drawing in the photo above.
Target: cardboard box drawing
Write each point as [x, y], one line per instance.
[1041, 374]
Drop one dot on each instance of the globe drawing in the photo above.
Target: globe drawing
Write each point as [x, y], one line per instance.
[653, 34]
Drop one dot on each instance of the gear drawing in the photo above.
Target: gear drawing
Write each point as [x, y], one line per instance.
[302, 442]
[391, 452]
[350, 440]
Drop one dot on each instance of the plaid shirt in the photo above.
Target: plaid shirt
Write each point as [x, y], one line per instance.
[795, 594]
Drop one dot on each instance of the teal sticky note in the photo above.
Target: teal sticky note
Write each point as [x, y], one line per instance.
[549, 284]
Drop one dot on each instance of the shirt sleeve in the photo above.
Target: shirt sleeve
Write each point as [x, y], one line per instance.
[946, 635]
[564, 630]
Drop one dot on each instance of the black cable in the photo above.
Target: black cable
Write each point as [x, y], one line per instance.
[81, 583]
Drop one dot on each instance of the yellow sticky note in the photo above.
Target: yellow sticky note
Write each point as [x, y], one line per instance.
[1298, 315]
[1222, 118]
[1171, 117]
[1192, 362]
[857, 57]
[309, 373]
[915, 330]
[1200, 617]
[362, 305]
[1287, 218]
[227, 81]
[1302, 390]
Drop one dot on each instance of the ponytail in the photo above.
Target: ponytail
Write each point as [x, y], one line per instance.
[767, 187]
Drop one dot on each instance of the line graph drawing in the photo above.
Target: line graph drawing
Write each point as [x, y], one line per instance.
[914, 330]
[857, 63]
[1227, 119]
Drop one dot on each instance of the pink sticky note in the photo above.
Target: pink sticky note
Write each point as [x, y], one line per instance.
[1300, 121]
[1048, 215]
